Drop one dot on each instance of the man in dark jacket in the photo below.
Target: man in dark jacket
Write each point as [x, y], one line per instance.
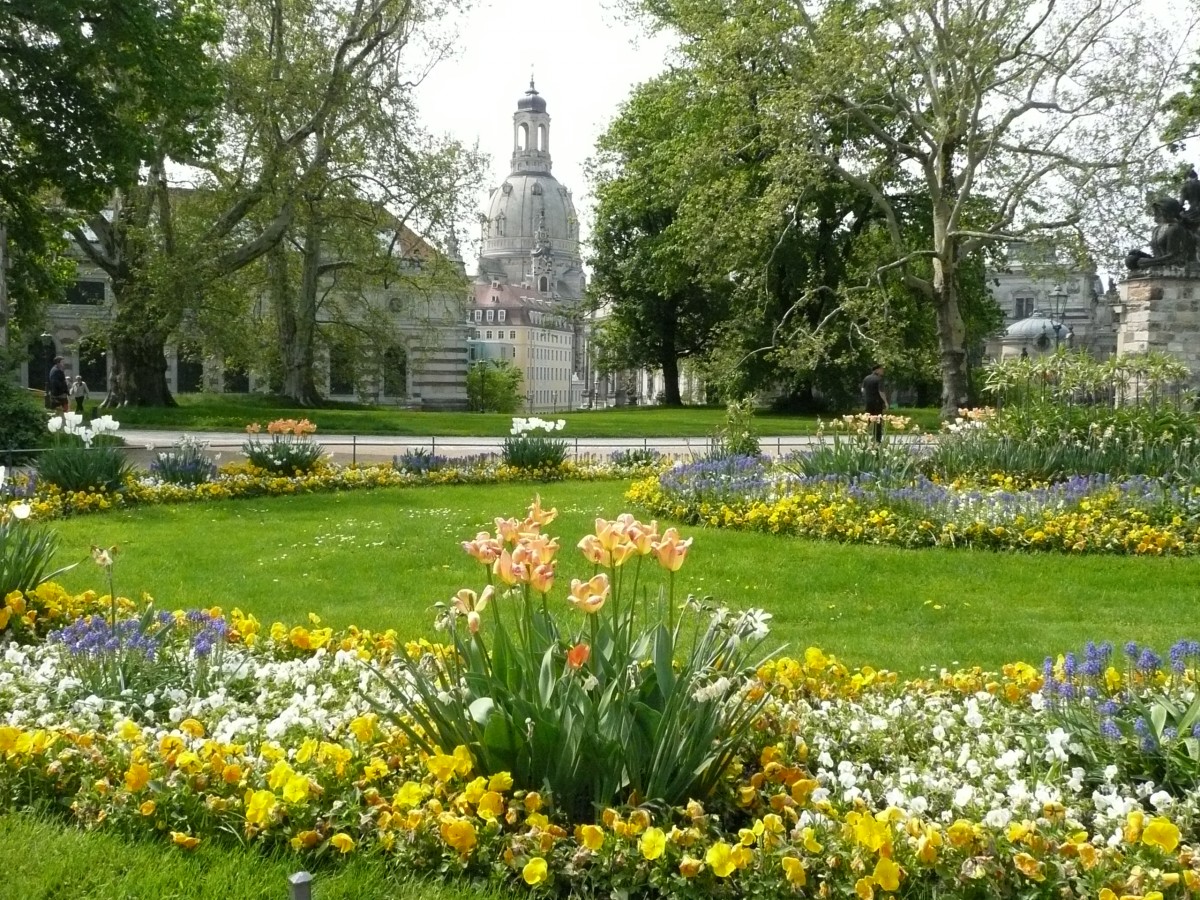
[56, 387]
[875, 399]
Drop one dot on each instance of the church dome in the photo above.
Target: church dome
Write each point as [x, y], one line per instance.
[1028, 330]
[517, 210]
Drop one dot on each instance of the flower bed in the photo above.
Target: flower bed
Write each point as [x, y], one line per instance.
[1081, 515]
[240, 480]
[851, 784]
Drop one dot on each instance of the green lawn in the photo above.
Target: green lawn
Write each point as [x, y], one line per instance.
[380, 559]
[224, 412]
[41, 859]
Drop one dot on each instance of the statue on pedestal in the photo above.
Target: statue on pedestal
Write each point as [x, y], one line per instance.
[1172, 242]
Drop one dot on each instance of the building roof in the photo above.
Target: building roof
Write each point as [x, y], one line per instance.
[522, 305]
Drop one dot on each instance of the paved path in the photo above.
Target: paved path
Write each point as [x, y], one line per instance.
[381, 448]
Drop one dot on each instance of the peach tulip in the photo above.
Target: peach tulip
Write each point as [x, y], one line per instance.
[671, 551]
[589, 596]
[541, 516]
[541, 578]
[593, 551]
[508, 570]
[484, 548]
[577, 656]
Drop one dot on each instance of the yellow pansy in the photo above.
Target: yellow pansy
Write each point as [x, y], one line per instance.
[186, 841]
[720, 859]
[459, 834]
[137, 776]
[363, 728]
[410, 794]
[129, 731]
[591, 836]
[689, 867]
[441, 766]
[147, 808]
[865, 888]
[296, 789]
[192, 727]
[1161, 833]
[259, 807]
[535, 871]
[653, 843]
[491, 806]
[793, 870]
[501, 781]
[1029, 867]
[342, 842]
[887, 874]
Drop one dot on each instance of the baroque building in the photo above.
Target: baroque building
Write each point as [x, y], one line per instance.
[526, 302]
[423, 365]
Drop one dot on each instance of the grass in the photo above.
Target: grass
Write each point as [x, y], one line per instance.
[226, 412]
[42, 858]
[380, 559]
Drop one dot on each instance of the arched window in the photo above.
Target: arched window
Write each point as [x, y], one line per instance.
[236, 379]
[542, 140]
[395, 372]
[93, 364]
[543, 284]
[341, 370]
[189, 368]
[41, 357]
[523, 136]
[1022, 306]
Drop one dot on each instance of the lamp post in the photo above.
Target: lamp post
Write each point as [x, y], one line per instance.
[1058, 309]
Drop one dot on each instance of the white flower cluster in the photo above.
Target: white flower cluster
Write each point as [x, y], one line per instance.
[533, 423]
[72, 423]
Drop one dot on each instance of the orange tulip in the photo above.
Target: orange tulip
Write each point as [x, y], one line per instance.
[578, 655]
[671, 551]
[590, 596]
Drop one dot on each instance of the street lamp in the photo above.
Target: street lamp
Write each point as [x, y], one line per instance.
[1058, 309]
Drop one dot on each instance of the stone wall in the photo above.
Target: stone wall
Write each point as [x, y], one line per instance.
[1161, 312]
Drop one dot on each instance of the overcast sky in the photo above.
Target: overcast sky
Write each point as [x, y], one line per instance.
[585, 61]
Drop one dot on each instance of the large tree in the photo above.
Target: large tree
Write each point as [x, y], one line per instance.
[365, 179]
[80, 80]
[1042, 107]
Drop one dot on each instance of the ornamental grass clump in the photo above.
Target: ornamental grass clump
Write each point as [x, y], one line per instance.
[25, 550]
[289, 451]
[612, 701]
[187, 463]
[846, 447]
[529, 445]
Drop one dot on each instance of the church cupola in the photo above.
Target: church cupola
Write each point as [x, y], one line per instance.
[531, 134]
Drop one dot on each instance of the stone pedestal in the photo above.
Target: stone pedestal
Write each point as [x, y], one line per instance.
[1161, 312]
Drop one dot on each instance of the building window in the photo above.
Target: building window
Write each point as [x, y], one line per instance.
[189, 368]
[499, 315]
[491, 314]
[489, 335]
[543, 284]
[86, 293]
[512, 335]
[479, 315]
[341, 370]
[1022, 307]
[395, 372]
[477, 334]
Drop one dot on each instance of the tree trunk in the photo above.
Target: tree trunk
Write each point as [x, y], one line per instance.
[138, 367]
[669, 357]
[951, 332]
[295, 334]
[670, 368]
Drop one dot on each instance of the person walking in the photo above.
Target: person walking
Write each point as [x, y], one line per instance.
[875, 399]
[57, 392]
[79, 393]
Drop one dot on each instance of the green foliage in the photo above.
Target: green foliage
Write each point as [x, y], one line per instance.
[26, 552]
[70, 466]
[22, 421]
[620, 703]
[494, 385]
[738, 436]
[534, 451]
[1066, 414]
[847, 448]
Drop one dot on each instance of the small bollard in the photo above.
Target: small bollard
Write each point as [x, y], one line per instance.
[300, 886]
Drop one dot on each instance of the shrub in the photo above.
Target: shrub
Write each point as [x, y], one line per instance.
[621, 702]
[848, 448]
[81, 459]
[289, 452]
[494, 385]
[187, 463]
[525, 448]
[22, 422]
[636, 458]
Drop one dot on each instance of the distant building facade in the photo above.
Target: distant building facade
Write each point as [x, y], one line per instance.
[424, 366]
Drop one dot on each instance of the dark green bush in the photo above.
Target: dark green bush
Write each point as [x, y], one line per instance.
[22, 422]
[73, 467]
